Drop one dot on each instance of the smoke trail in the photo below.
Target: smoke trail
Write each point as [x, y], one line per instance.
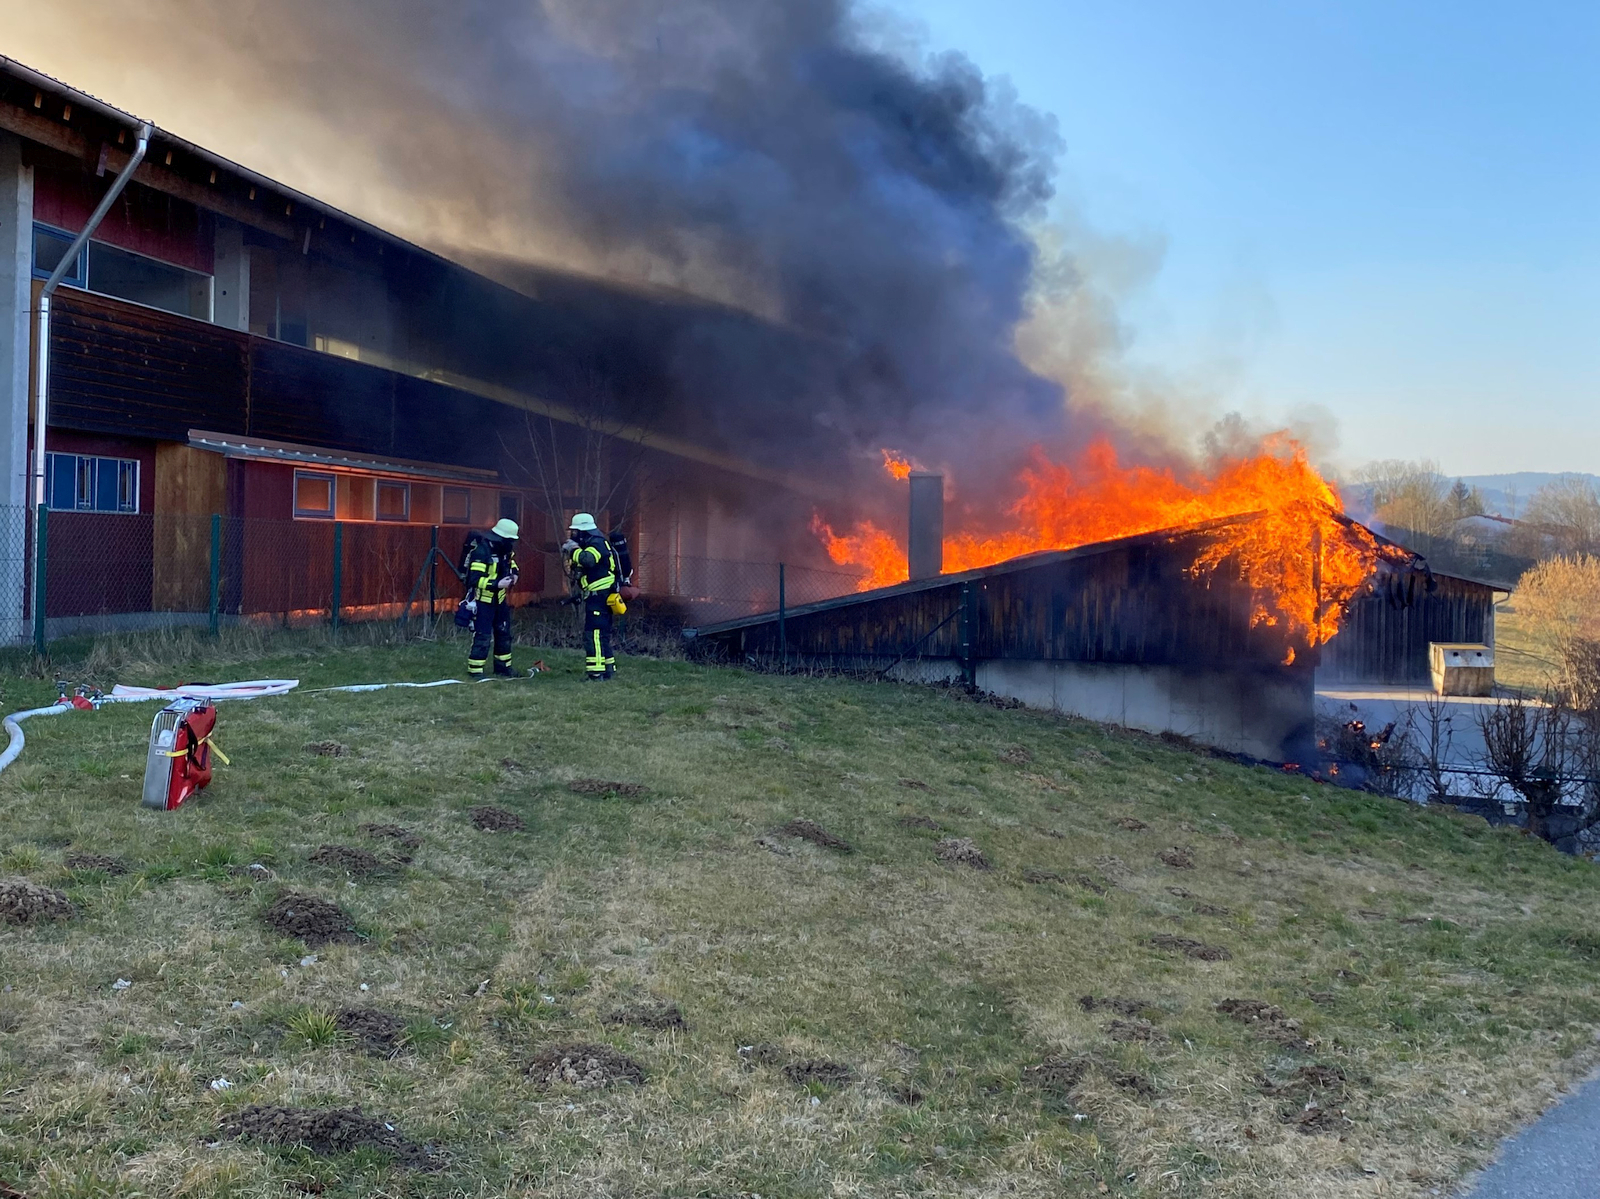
[761, 154]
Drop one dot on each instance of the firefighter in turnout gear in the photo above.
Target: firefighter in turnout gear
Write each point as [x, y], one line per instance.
[491, 573]
[597, 573]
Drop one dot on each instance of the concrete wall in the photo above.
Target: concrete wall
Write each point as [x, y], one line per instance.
[1263, 715]
[16, 274]
[230, 296]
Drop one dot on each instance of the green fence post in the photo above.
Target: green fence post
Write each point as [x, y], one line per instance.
[338, 570]
[216, 572]
[41, 526]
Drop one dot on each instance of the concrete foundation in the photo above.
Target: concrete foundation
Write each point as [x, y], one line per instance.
[1263, 715]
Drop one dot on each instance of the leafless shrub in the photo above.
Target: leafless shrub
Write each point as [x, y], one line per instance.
[1547, 755]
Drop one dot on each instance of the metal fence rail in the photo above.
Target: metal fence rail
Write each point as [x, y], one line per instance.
[108, 572]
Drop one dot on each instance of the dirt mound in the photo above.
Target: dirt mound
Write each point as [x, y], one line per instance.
[583, 1066]
[327, 749]
[1191, 948]
[961, 851]
[315, 921]
[1089, 883]
[1057, 1074]
[1211, 909]
[22, 902]
[810, 830]
[1034, 875]
[379, 1031]
[1134, 1030]
[919, 821]
[496, 820]
[603, 787]
[1267, 1019]
[762, 1053]
[1178, 857]
[404, 837]
[1180, 892]
[94, 861]
[1123, 1005]
[656, 1013]
[914, 784]
[905, 1094]
[324, 1131]
[1132, 823]
[1318, 1119]
[348, 858]
[1017, 755]
[821, 1071]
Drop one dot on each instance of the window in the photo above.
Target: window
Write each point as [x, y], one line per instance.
[394, 500]
[49, 247]
[313, 495]
[146, 281]
[511, 506]
[83, 483]
[457, 506]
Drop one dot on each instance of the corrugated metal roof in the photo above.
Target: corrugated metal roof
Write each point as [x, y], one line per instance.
[304, 455]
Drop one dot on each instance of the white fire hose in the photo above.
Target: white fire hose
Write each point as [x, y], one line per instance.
[216, 693]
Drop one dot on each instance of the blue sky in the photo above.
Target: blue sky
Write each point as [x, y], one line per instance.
[1388, 210]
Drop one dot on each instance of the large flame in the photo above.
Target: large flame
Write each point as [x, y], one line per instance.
[1303, 562]
[898, 465]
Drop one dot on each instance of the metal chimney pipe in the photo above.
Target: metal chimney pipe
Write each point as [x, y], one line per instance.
[41, 402]
[925, 546]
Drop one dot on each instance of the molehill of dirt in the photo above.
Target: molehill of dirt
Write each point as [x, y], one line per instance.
[810, 830]
[1017, 755]
[378, 1031]
[403, 837]
[22, 902]
[584, 1066]
[914, 784]
[1132, 823]
[920, 821]
[1191, 948]
[762, 1053]
[1178, 857]
[657, 1013]
[327, 749]
[496, 820]
[94, 861]
[1134, 1030]
[961, 851]
[1267, 1019]
[1059, 1076]
[821, 1071]
[605, 787]
[326, 1130]
[1211, 909]
[1035, 875]
[310, 918]
[349, 859]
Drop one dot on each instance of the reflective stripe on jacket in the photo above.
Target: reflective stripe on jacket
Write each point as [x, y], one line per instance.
[594, 563]
[488, 565]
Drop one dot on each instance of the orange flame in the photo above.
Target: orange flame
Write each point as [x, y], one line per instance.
[1303, 562]
[897, 464]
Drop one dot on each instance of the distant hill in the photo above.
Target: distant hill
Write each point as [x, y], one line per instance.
[1507, 495]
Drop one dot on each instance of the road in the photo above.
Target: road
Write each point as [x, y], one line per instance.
[1555, 1157]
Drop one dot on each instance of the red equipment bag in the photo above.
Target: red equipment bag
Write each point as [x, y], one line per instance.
[179, 763]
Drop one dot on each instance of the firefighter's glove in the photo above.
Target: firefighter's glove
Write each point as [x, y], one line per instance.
[504, 583]
[568, 546]
[472, 606]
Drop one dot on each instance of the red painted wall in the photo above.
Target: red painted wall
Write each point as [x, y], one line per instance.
[144, 221]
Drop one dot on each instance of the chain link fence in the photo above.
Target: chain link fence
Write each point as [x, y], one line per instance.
[111, 572]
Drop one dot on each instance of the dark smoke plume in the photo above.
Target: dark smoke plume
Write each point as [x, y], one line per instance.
[759, 153]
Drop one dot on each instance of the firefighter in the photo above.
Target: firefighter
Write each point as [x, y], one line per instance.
[597, 573]
[491, 573]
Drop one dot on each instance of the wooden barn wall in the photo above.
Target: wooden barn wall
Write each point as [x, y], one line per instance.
[1379, 642]
[125, 370]
[1136, 605]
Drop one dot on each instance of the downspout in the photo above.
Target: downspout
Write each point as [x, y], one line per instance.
[41, 393]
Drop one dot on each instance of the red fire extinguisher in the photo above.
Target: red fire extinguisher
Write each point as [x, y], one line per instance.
[179, 762]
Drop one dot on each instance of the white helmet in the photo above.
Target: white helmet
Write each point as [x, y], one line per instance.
[505, 529]
[583, 523]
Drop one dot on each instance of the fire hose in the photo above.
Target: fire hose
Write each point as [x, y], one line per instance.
[87, 700]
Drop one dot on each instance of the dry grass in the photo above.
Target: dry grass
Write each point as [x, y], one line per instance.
[889, 1006]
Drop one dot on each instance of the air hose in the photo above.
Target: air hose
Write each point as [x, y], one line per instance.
[216, 693]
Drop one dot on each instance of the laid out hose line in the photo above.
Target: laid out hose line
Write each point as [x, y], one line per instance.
[215, 693]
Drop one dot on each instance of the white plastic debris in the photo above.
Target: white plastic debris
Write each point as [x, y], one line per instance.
[220, 1084]
[236, 1005]
[283, 973]
[815, 1101]
[1078, 1117]
[364, 987]
[309, 960]
[482, 987]
[121, 984]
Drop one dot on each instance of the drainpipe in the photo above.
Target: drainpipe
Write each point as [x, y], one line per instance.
[41, 394]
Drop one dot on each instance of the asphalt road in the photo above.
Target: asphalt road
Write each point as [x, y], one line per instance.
[1555, 1157]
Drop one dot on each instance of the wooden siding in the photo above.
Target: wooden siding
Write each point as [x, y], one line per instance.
[1380, 642]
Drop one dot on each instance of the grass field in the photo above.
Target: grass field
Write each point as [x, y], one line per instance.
[860, 1020]
[1526, 659]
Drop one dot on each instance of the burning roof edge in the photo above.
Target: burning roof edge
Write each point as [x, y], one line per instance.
[1040, 558]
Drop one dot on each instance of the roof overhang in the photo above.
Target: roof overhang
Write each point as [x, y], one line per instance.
[259, 450]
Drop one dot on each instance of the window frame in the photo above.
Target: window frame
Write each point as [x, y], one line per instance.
[86, 470]
[332, 481]
[79, 275]
[465, 495]
[401, 485]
